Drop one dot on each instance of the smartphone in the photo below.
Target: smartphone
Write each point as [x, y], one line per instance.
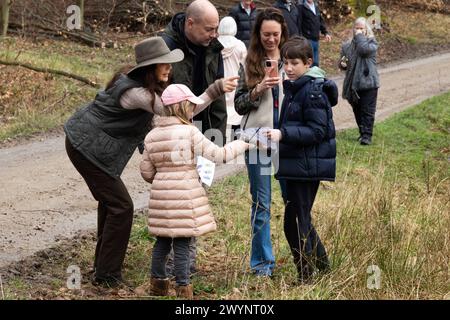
[268, 66]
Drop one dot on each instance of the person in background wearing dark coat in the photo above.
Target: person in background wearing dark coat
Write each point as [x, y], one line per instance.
[244, 13]
[312, 25]
[361, 83]
[291, 16]
[307, 151]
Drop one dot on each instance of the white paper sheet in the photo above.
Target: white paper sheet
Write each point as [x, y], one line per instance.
[205, 169]
[254, 135]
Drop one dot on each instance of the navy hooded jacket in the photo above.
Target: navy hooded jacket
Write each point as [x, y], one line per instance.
[307, 149]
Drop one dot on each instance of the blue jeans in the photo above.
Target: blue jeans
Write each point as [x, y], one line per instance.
[259, 167]
[315, 47]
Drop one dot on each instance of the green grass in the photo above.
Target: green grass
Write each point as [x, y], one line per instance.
[15, 289]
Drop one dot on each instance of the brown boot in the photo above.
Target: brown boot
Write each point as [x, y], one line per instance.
[159, 287]
[185, 292]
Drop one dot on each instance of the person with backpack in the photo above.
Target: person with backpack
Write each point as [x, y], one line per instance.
[307, 151]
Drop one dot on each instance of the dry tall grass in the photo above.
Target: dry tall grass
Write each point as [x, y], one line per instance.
[366, 219]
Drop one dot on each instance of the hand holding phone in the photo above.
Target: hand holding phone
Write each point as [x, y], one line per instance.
[271, 67]
[270, 80]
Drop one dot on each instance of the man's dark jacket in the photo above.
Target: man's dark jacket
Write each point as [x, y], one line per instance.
[194, 70]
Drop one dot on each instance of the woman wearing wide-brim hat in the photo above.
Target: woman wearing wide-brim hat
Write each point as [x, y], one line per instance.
[102, 136]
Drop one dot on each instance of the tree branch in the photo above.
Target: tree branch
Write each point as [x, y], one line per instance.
[52, 71]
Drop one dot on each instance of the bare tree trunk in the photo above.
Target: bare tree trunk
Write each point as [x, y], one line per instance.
[169, 5]
[81, 5]
[4, 17]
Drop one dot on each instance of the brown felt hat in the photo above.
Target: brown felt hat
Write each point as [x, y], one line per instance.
[155, 50]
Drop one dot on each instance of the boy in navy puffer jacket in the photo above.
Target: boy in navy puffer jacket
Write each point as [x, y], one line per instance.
[307, 151]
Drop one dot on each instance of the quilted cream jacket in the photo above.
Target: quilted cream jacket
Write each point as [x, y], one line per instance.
[178, 204]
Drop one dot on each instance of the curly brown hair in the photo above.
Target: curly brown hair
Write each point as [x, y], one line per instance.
[254, 62]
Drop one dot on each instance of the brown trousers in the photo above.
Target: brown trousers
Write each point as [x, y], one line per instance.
[115, 215]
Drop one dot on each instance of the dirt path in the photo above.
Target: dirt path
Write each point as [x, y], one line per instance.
[43, 199]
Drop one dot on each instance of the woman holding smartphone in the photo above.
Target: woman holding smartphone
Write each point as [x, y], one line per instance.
[258, 98]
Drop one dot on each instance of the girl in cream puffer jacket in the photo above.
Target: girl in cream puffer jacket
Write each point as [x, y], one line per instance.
[178, 207]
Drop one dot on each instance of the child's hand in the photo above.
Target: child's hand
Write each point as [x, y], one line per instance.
[252, 143]
[251, 146]
[229, 84]
[273, 134]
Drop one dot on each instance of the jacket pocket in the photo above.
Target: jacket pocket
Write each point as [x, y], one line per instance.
[368, 82]
[106, 149]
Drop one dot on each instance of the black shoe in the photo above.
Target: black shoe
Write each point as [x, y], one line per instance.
[110, 282]
[365, 141]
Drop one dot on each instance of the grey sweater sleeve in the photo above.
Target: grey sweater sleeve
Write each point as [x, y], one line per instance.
[140, 98]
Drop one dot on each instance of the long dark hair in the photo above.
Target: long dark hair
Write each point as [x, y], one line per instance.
[254, 62]
[145, 75]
